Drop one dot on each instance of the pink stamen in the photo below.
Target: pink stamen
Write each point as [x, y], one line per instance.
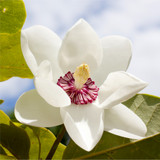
[87, 94]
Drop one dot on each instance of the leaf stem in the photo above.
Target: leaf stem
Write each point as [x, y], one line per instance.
[56, 143]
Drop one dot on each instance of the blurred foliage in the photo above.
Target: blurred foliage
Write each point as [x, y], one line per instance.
[13, 138]
[1, 101]
[25, 142]
[55, 131]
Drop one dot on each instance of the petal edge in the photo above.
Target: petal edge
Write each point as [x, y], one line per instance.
[80, 45]
[117, 53]
[121, 121]
[32, 110]
[84, 124]
[119, 87]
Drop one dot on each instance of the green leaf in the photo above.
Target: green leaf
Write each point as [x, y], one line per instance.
[147, 148]
[2, 150]
[13, 138]
[12, 15]
[107, 141]
[4, 119]
[145, 106]
[6, 157]
[1, 101]
[12, 62]
[41, 142]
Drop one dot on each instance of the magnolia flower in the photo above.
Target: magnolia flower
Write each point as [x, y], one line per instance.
[64, 88]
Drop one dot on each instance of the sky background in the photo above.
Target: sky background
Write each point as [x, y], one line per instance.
[139, 20]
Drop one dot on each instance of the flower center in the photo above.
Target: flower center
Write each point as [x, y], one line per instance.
[79, 87]
[81, 75]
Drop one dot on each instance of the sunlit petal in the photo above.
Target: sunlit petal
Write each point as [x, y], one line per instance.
[116, 57]
[118, 87]
[84, 124]
[31, 109]
[80, 45]
[38, 44]
[122, 121]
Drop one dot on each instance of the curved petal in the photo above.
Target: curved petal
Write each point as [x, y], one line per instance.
[45, 70]
[28, 56]
[48, 89]
[31, 109]
[122, 121]
[42, 44]
[80, 45]
[118, 87]
[116, 57]
[84, 124]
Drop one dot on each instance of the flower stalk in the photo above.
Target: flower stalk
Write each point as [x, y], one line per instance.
[56, 143]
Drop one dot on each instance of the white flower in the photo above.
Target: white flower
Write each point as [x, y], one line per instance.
[49, 105]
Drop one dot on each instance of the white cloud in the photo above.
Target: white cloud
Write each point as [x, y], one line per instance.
[58, 14]
[146, 56]
[127, 17]
[13, 87]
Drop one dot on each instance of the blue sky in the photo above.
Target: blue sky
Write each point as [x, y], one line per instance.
[136, 19]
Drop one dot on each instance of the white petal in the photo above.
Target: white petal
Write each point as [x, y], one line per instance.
[31, 109]
[29, 57]
[84, 124]
[48, 89]
[116, 57]
[118, 87]
[80, 45]
[43, 44]
[45, 70]
[122, 121]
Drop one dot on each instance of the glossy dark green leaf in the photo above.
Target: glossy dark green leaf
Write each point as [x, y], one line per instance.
[12, 15]
[145, 106]
[13, 138]
[41, 142]
[12, 63]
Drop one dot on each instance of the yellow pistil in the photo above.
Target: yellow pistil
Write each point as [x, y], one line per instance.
[81, 75]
